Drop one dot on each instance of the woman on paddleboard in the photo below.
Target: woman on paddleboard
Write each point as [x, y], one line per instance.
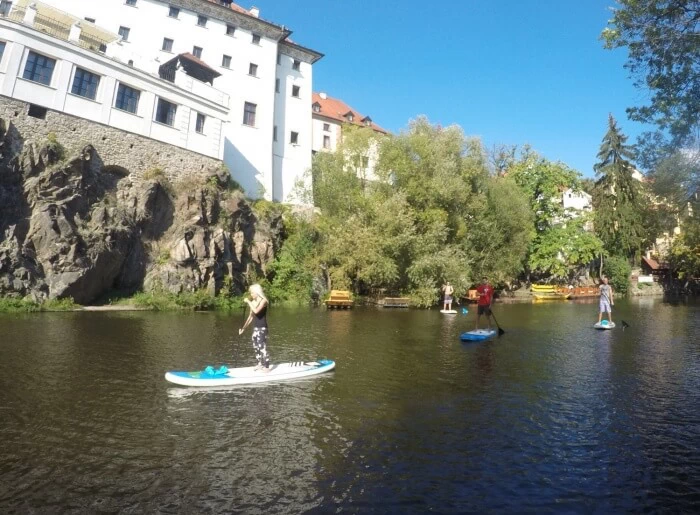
[606, 301]
[258, 316]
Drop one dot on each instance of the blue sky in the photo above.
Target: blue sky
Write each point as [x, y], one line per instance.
[508, 71]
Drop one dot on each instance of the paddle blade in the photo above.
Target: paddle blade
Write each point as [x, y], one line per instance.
[501, 332]
[624, 325]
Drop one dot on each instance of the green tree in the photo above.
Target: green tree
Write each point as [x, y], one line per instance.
[663, 45]
[617, 198]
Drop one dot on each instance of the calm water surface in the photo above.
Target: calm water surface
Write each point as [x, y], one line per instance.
[552, 417]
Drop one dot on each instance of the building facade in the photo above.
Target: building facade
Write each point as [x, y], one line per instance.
[205, 75]
[330, 116]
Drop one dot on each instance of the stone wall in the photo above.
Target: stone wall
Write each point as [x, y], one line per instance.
[115, 147]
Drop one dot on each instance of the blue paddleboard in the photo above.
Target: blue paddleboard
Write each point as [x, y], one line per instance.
[478, 335]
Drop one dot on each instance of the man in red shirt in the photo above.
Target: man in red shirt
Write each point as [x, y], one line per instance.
[485, 292]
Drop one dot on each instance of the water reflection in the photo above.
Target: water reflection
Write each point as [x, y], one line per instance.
[552, 416]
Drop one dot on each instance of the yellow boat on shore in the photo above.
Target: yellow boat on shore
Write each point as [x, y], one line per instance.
[549, 292]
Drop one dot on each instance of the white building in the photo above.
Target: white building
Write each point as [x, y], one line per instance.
[254, 113]
[578, 200]
[330, 115]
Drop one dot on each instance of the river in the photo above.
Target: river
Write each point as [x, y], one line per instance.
[551, 417]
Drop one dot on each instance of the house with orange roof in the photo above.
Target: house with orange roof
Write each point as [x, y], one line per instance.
[329, 117]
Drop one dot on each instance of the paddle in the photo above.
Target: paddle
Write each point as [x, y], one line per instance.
[624, 325]
[501, 332]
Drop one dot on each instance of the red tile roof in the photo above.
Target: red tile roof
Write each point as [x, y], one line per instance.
[196, 60]
[337, 110]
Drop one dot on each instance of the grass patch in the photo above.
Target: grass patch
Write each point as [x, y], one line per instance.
[14, 305]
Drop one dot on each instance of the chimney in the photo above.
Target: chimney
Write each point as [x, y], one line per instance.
[323, 95]
[254, 11]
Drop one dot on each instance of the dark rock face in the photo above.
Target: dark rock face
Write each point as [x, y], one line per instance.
[78, 228]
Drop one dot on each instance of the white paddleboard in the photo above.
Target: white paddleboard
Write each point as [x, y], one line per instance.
[604, 325]
[248, 375]
[448, 312]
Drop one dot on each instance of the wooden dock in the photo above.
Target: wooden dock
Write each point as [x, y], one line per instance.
[339, 299]
[394, 302]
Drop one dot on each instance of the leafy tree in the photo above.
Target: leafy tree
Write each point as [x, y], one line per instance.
[561, 244]
[617, 198]
[617, 269]
[685, 251]
[663, 44]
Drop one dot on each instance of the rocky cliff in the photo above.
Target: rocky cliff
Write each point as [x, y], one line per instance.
[74, 226]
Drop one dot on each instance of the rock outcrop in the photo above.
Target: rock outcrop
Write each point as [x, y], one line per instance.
[78, 227]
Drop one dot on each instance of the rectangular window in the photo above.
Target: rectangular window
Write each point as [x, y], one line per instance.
[249, 114]
[165, 112]
[279, 59]
[295, 91]
[2, 49]
[127, 98]
[39, 68]
[132, 3]
[197, 52]
[326, 141]
[174, 12]
[294, 138]
[85, 84]
[296, 64]
[201, 21]
[326, 126]
[226, 61]
[253, 70]
[277, 85]
[91, 20]
[274, 133]
[256, 39]
[36, 111]
[199, 126]
[230, 30]
[124, 33]
[167, 45]
[5, 7]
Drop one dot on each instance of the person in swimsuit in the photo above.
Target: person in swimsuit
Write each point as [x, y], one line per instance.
[448, 290]
[258, 317]
[606, 301]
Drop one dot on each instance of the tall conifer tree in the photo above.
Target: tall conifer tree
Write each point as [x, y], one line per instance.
[617, 198]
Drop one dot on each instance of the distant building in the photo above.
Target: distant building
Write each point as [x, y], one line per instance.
[206, 75]
[329, 116]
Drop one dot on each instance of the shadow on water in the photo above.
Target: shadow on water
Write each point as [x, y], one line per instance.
[552, 416]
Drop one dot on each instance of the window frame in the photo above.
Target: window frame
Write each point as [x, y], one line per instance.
[197, 51]
[81, 87]
[121, 93]
[170, 47]
[253, 70]
[163, 107]
[296, 88]
[293, 137]
[8, 7]
[199, 127]
[326, 141]
[176, 10]
[130, 3]
[230, 30]
[255, 39]
[201, 17]
[37, 75]
[128, 32]
[3, 47]
[249, 113]
[327, 127]
[296, 65]
[226, 61]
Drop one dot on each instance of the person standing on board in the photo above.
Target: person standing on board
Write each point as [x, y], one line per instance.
[485, 292]
[606, 301]
[447, 290]
[258, 316]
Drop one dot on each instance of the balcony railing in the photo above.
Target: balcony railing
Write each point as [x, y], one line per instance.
[51, 27]
[92, 42]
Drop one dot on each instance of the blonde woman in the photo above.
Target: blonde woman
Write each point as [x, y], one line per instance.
[258, 316]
